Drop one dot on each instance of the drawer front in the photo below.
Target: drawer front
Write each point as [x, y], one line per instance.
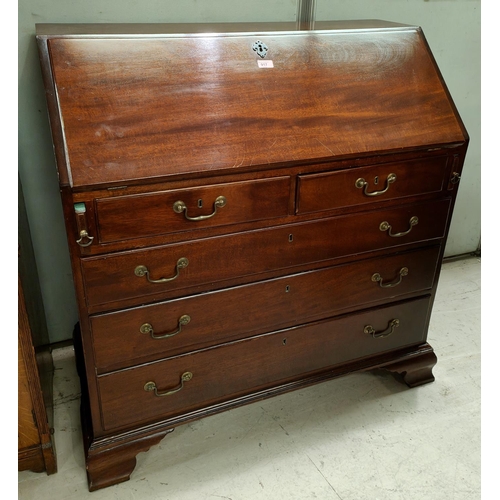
[358, 186]
[141, 334]
[143, 273]
[142, 215]
[238, 368]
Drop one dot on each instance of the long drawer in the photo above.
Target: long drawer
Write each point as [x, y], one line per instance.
[184, 383]
[132, 336]
[142, 273]
[135, 216]
[359, 186]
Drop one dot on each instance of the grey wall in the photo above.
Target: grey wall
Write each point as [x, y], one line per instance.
[452, 28]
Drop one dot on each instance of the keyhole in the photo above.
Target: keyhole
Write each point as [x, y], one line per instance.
[200, 203]
[287, 288]
[284, 341]
[376, 180]
[290, 238]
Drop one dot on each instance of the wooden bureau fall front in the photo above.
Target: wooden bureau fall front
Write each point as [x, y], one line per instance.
[250, 210]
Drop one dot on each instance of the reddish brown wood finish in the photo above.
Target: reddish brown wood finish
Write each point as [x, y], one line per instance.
[102, 476]
[36, 443]
[253, 364]
[218, 316]
[279, 285]
[266, 116]
[125, 217]
[36, 450]
[414, 372]
[114, 464]
[213, 260]
[89, 199]
[332, 190]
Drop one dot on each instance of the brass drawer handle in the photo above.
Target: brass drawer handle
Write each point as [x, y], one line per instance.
[361, 183]
[147, 328]
[144, 271]
[151, 386]
[85, 236]
[378, 335]
[377, 278]
[180, 206]
[385, 226]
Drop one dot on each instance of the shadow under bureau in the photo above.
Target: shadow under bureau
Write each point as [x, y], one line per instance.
[250, 209]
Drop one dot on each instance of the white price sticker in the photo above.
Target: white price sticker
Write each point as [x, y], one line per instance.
[265, 64]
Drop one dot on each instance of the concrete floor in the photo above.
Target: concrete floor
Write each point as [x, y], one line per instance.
[364, 436]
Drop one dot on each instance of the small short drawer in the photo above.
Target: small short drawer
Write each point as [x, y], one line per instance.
[147, 275]
[358, 186]
[189, 382]
[128, 337]
[151, 214]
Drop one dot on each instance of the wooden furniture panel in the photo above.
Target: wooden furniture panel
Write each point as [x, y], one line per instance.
[345, 188]
[36, 446]
[150, 214]
[314, 267]
[27, 436]
[265, 117]
[198, 321]
[212, 260]
[254, 364]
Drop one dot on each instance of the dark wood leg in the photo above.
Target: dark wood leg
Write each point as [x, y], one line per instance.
[414, 371]
[109, 460]
[112, 465]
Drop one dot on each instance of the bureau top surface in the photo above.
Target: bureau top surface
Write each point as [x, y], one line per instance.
[136, 102]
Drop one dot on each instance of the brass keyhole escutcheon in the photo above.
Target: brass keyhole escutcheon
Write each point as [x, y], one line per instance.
[260, 48]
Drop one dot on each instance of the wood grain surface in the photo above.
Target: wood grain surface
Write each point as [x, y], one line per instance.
[145, 108]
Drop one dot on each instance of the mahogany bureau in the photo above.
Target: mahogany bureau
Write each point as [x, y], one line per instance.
[250, 210]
